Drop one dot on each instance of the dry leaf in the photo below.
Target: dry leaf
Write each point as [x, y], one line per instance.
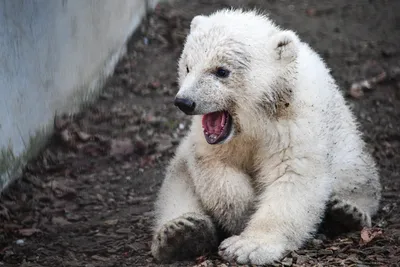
[99, 258]
[121, 147]
[111, 222]
[201, 259]
[61, 190]
[357, 88]
[60, 221]
[28, 231]
[66, 136]
[368, 234]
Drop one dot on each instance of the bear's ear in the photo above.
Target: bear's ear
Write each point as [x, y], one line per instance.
[196, 21]
[285, 44]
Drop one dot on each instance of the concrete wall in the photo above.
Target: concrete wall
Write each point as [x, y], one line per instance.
[53, 55]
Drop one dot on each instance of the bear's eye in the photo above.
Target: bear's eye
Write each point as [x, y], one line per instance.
[222, 73]
[187, 69]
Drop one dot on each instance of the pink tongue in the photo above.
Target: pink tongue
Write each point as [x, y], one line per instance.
[214, 122]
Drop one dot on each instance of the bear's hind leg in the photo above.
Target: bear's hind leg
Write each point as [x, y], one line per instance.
[341, 217]
[355, 197]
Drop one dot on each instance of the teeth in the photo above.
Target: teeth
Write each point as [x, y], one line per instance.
[213, 137]
[223, 120]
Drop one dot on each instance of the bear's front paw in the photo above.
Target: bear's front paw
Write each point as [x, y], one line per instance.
[251, 250]
[189, 235]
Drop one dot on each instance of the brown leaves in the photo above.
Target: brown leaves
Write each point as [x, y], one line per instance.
[357, 89]
[68, 132]
[368, 234]
[111, 222]
[374, 73]
[60, 221]
[121, 147]
[61, 190]
[28, 231]
[201, 259]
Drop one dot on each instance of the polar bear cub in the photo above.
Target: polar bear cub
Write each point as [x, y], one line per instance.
[272, 146]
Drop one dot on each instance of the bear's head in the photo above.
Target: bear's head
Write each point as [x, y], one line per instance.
[237, 70]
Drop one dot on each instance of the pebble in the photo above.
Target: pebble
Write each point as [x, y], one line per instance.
[20, 242]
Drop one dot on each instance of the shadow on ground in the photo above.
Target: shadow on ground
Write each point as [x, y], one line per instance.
[87, 199]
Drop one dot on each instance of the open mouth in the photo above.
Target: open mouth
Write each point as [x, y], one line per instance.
[217, 126]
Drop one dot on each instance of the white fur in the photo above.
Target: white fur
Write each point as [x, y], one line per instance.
[295, 144]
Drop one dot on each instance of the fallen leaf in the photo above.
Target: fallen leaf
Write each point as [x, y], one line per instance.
[368, 234]
[66, 136]
[61, 190]
[83, 136]
[4, 213]
[60, 221]
[357, 88]
[200, 259]
[121, 147]
[123, 231]
[111, 222]
[28, 231]
[99, 258]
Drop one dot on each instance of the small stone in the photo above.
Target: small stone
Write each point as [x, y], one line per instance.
[20, 242]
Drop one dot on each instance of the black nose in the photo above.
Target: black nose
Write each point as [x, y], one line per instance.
[185, 105]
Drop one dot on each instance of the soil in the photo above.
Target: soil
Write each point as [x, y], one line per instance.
[87, 199]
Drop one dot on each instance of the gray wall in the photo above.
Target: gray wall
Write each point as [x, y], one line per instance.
[54, 54]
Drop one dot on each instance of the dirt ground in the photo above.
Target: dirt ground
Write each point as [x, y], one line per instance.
[87, 199]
